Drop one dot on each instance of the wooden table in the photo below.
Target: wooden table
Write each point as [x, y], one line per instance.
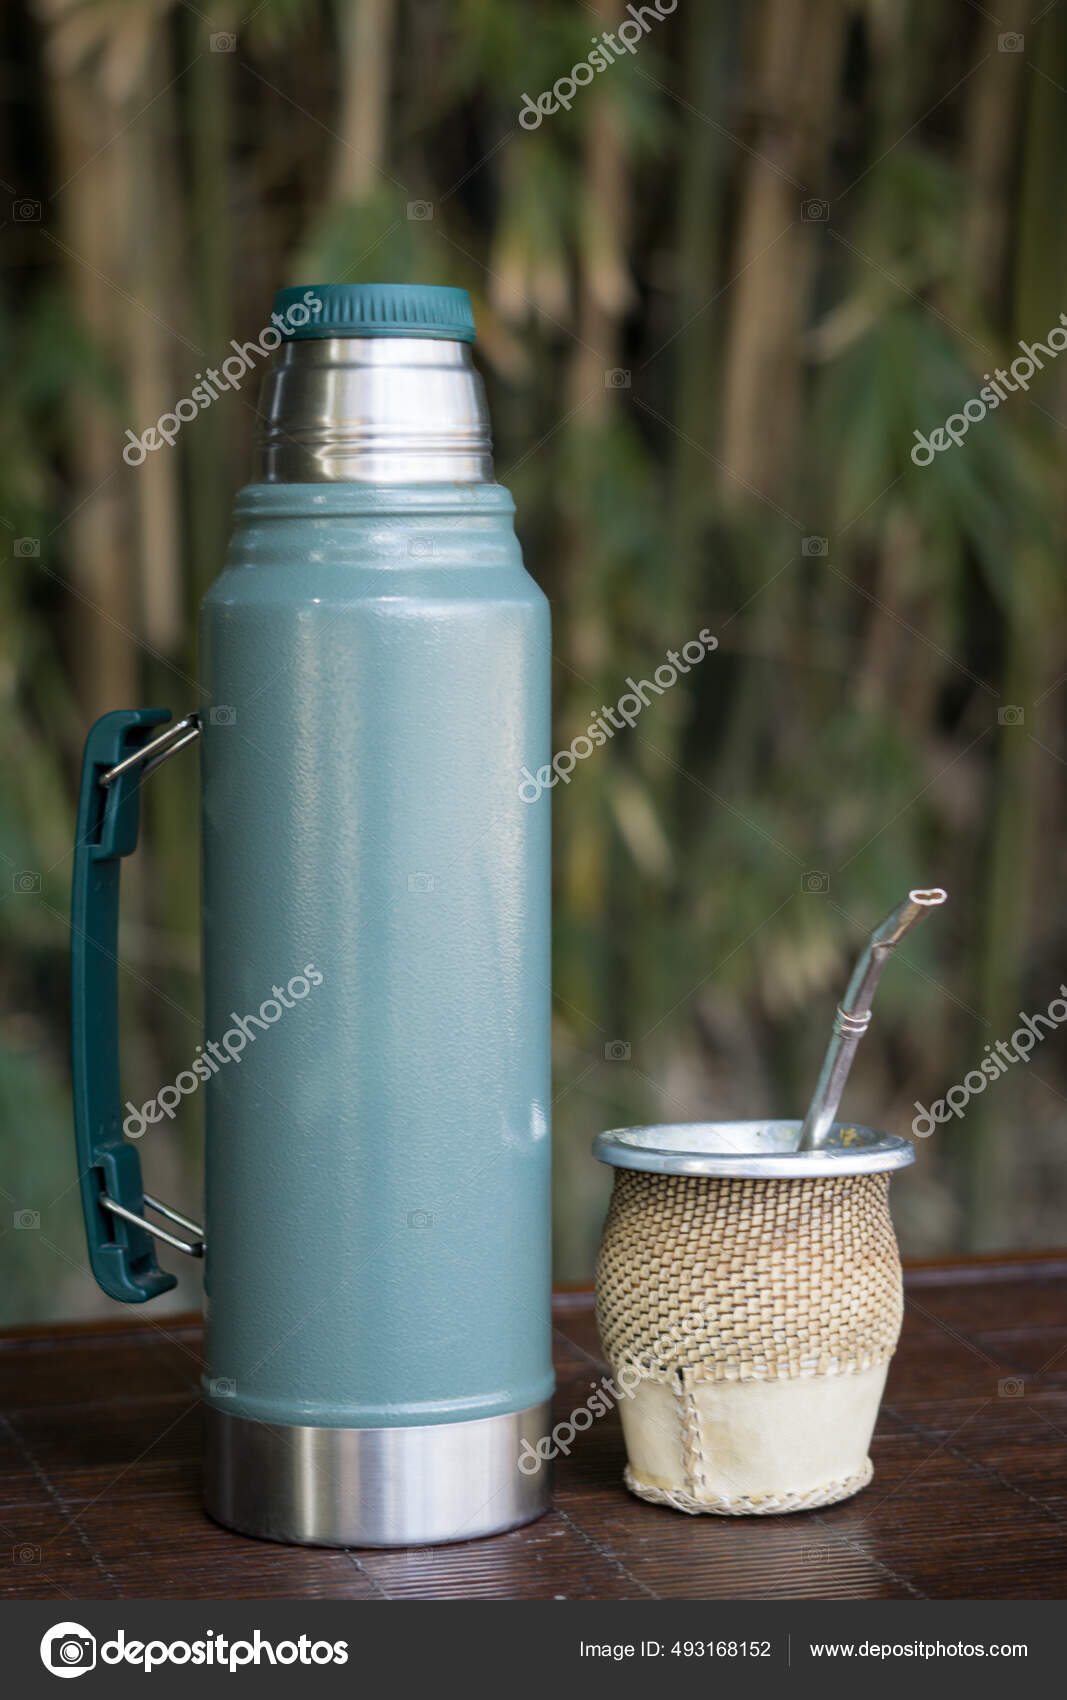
[100, 1446]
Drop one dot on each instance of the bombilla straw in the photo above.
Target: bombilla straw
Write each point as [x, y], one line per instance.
[854, 1014]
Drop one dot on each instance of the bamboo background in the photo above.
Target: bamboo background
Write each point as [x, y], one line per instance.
[797, 231]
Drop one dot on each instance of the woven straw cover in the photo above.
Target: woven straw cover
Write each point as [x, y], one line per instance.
[747, 1280]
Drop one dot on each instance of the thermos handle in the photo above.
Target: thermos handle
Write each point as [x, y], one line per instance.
[119, 751]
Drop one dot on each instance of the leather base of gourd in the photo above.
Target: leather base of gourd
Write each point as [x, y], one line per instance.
[751, 1448]
[770, 1506]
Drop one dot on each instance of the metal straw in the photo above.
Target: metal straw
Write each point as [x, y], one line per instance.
[854, 1014]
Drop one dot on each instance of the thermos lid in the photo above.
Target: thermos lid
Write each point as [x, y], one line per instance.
[375, 309]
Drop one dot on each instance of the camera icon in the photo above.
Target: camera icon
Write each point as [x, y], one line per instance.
[28, 547]
[68, 1649]
[421, 1218]
[224, 41]
[814, 546]
[27, 1218]
[26, 212]
[422, 883]
[616, 1050]
[222, 1386]
[25, 882]
[616, 378]
[1011, 42]
[816, 1555]
[25, 1555]
[420, 547]
[1011, 1387]
[815, 212]
[815, 882]
[1011, 715]
[223, 714]
[420, 211]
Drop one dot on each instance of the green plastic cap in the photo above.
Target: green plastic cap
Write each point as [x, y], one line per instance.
[375, 309]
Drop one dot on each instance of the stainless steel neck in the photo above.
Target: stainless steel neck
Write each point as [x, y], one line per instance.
[373, 410]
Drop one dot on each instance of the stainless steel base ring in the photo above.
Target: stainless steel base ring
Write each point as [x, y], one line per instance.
[375, 1487]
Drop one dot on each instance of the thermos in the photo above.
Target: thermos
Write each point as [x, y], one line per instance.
[375, 1057]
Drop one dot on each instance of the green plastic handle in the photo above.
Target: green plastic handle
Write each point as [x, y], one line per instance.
[122, 1255]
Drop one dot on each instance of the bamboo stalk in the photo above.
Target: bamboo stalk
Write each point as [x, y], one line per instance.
[366, 36]
[150, 365]
[793, 53]
[587, 854]
[1020, 764]
[91, 216]
[209, 443]
[796, 48]
[699, 242]
[991, 120]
